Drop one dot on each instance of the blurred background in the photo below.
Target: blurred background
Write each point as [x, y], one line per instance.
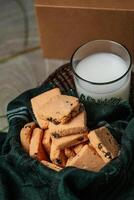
[22, 65]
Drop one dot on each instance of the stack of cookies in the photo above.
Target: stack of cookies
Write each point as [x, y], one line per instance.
[60, 138]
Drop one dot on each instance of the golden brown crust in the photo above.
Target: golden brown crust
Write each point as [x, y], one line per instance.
[42, 123]
[47, 141]
[30, 125]
[36, 149]
[25, 135]
[51, 165]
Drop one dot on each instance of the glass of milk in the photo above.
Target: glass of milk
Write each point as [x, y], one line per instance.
[102, 70]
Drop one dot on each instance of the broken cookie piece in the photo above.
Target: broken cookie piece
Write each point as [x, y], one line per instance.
[104, 143]
[75, 126]
[87, 159]
[60, 109]
[39, 101]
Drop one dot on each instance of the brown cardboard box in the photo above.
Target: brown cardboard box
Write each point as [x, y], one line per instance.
[66, 24]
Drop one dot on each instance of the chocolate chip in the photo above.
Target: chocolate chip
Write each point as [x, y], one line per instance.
[58, 161]
[81, 138]
[55, 121]
[56, 135]
[67, 102]
[49, 119]
[100, 146]
[108, 155]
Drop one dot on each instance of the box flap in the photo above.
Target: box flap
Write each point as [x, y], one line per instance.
[94, 4]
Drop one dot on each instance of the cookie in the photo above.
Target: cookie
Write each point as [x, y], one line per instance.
[60, 109]
[30, 125]
[25, 135]
[69, 152]
[36, 149]
[40, 101]
[57, 156]
[46, 141]
[75, 126]
[69, 160]
[78, 147]
[104, 143]
[87, 159]
[70, 140]
[51, 165]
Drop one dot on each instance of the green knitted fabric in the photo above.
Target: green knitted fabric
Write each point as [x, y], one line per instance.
[23, 178]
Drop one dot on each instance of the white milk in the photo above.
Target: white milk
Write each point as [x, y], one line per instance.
[101, 68]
